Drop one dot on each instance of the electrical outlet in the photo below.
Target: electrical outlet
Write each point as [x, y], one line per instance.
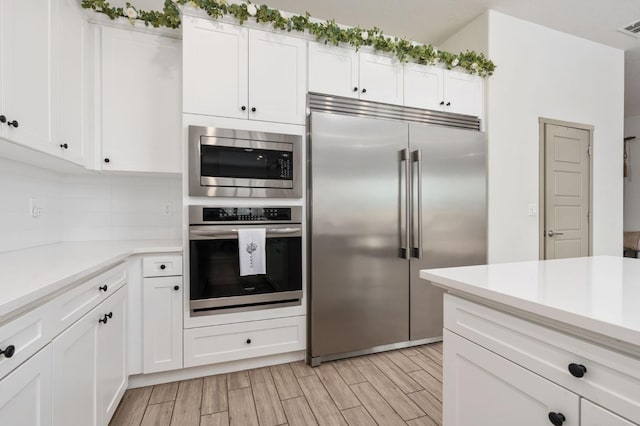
[34, 209]
[533, 210]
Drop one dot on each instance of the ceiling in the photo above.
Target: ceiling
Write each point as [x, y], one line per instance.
[433, 21]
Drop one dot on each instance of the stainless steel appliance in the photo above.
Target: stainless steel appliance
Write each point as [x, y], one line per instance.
[238, 163]
[214, 267]
[392, 190]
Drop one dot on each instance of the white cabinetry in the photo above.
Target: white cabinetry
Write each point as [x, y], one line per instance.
[236, 72]
[162, 313]
[345, 72]
[463, 93]
[140, 102]
[593, 415]
[25, 394]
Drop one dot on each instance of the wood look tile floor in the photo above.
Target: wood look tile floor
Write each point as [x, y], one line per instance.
[402, 387]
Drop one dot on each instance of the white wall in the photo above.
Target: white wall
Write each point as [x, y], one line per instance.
[545, 73]
[632, 182]
[87, 206]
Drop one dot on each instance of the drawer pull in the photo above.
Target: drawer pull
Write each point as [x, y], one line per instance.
[557, 418]
[577, 370]
[103, 288]
[8, 351]
[248, 341]
[106, 318]
[163, 267]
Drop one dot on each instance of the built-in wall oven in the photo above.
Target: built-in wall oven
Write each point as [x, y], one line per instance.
[238, 163]
[216, 285]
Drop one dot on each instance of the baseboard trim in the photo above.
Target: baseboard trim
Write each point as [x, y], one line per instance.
[141, 380]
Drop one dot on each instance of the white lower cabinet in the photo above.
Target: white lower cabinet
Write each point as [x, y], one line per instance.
[25, 394]
[593, 415]
[162, 324]
[89, 365]
[482, 388]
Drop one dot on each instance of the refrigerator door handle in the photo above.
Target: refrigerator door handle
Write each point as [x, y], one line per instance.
[416, 205]
[405, 190]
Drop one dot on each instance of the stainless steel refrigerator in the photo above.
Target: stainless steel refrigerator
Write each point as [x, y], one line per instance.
[391, 191]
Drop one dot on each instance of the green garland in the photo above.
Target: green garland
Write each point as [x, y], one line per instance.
[329, 32]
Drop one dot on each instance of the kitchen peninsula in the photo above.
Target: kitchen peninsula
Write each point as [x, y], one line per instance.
[564, 333]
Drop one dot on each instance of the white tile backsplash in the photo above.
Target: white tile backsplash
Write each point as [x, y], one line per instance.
[90, 206]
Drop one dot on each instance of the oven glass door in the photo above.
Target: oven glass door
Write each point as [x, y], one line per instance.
[215, 269]
[230, 162]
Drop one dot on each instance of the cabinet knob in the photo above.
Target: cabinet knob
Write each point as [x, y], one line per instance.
[106, 160]
[109, 315]
[244, 108]
[253, 109]
[557, 418]
[355, 89]
[8, 351]
[364, 90]
[442, 103]
[163, 266]
[13, 123]
[3, 119]
[248, 341]
[577, 370]
[448, 103]
[103, 288]
[64, 145]
[176, 287]
[103, 320]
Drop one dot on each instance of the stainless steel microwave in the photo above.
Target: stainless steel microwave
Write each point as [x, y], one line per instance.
[239, 163]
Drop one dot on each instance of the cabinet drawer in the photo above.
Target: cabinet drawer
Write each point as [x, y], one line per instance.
[612, 379]
[162, 266]
[232, 342]
[27, 334]
[76, 302]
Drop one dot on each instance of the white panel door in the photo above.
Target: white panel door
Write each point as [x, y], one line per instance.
[277, 77]
[75, 373]
[423, 87]
[482, 388]
[112, 354]
[333, 70]
[566, 192]
[162, 324]
[69, 97]
[381, 79]
[215, 67]
[141, 96]
[25, 394]
[25, 75]
[463, 93]
[593, 415]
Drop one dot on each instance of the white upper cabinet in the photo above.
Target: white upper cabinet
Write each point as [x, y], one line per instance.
[463, 93]
[333, 70]
[381, 79]
[70, 106]
[277, 77]
[25, 73]
[423, 87]
[216, 68]
[345, 72]
[231, 71]
[141, 122]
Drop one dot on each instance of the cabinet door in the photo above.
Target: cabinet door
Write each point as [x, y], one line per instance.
[277, 77]
[423, 87]
[162, 324]
[463, 93]
[25, 396]
[112, 354]
[75, 373]
[333, 70]
[141, 113]
[593, 415]
[25, 77]
[381, 79]
[215, 67]
[69, 88]
[482, 388]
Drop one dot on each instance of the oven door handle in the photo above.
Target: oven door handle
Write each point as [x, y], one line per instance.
[234, 232]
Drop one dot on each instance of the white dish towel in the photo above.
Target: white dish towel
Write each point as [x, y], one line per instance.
[252, 251]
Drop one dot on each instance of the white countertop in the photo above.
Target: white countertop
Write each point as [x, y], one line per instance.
[597, 294]
[30, 275]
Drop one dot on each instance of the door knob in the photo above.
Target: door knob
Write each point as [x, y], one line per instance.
[355, 89]
[3, 119]
[553, 233]
[577, 370]
[557, 418]
[64, 145]
[176, 287]
[13, 123]
[8, 351]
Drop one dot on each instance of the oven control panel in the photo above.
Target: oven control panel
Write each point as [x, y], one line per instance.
[245, 214]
